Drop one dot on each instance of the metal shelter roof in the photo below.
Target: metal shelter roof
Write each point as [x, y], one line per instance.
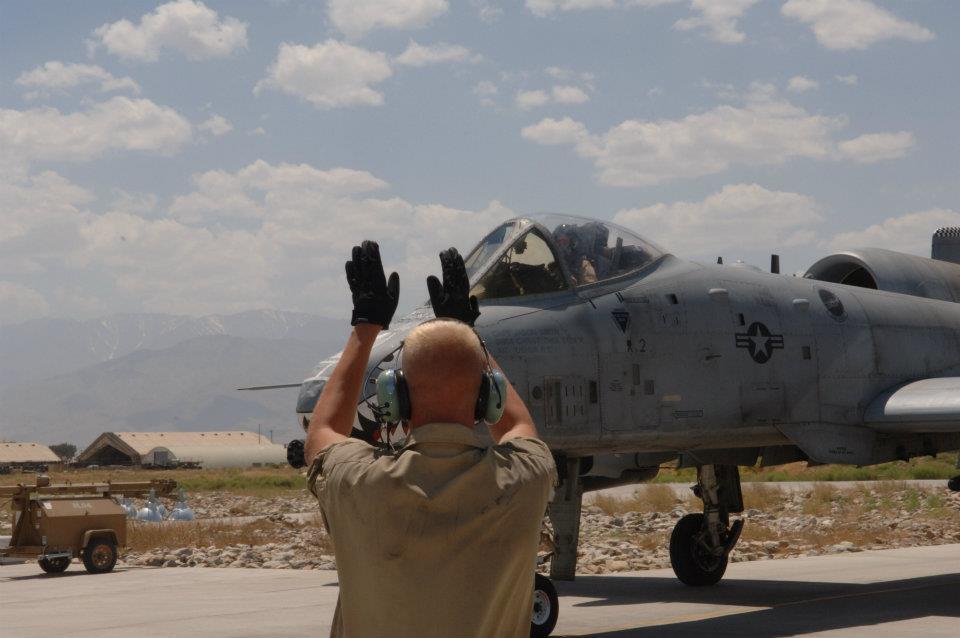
[27, 453]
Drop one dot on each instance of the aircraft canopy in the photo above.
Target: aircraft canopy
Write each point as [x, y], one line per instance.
[550, 253]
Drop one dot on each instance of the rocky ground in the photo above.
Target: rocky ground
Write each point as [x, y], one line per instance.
[616, 534]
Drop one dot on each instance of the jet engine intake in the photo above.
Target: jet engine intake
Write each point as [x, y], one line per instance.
[890, 271]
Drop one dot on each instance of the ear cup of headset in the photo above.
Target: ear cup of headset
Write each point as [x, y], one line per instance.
[496, 397]
[393, 397]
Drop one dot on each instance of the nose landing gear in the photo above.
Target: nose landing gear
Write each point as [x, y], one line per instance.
[701, 543]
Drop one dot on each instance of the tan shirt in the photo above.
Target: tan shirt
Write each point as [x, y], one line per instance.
[438, 540]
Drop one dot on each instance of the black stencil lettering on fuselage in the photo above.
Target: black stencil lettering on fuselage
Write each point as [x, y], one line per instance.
[758, 341]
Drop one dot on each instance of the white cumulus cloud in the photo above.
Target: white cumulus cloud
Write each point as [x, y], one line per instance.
[719, 19]
[849, 80]
[57, 76]
[802, 84]
[853, 24]
[328, 75]
[418, 55]
[877, 147]
[264, 235]
[355, 18]
[216, 125]
[190, 28]
[908, 233]
[559, 94]
[119, 124]
[764, 130]
[716, 224]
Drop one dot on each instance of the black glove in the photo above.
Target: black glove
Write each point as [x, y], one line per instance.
[295, 454]
[374, 299]
[452, 298]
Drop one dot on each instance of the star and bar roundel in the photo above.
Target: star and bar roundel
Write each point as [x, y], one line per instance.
[759, 342]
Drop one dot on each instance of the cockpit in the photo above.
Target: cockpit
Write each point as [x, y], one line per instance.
[552, 253]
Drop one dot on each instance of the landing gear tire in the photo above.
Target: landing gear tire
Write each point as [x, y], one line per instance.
[954, 484]
[100, 556]
[692, 562]
[546, 607]
[54, 565]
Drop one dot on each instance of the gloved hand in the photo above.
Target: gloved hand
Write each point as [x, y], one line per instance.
[374, 298]
[452, 298]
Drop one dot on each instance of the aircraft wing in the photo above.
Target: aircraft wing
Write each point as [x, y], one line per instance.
[927, 405]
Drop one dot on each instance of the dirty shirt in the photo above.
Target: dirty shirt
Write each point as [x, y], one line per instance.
[439, 539]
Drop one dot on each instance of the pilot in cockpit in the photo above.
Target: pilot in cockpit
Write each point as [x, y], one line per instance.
[572, 246]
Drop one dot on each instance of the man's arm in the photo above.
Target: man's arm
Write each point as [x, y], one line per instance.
[375, 300]
[334, 412]
[516, 420]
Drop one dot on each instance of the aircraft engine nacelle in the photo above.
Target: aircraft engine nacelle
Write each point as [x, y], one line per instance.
[890, 271]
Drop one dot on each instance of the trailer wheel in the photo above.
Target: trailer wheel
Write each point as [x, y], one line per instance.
[546, 607]
[54, 565]
[100, 555]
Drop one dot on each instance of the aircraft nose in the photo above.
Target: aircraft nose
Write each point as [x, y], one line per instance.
[309, 393]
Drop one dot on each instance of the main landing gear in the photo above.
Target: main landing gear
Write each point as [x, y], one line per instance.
[700, 544]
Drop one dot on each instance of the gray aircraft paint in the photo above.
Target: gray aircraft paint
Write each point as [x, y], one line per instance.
[726, 363]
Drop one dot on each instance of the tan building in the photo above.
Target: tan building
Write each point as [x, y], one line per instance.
[169, 449]
[28, 455]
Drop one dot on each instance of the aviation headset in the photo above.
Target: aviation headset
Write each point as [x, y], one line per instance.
[393, 393]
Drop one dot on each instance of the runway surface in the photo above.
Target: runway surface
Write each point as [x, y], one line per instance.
[895, 593]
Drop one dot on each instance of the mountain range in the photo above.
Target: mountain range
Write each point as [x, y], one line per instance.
[66, 380]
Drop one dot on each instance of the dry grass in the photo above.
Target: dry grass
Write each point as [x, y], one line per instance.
[263, 481]
[171, 535]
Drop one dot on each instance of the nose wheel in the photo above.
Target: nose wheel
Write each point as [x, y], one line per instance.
[546, 607]
[700, 543]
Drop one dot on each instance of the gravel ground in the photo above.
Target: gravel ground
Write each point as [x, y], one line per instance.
[621, 534]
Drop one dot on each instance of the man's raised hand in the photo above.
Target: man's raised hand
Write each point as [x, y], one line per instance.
[452, 298]
[374, 298]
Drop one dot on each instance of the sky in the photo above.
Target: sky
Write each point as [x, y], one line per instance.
[212, 157]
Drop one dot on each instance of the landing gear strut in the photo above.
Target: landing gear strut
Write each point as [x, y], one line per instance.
[701, 543]
[564, 512]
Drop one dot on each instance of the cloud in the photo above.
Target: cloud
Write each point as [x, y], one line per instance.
[908, 233]
[19, 303]
[487, 11]
[187, 27]
[542, 8]
[55, 76]
[877, 147]
[849, 80]
[417, 55]
[719, 19]
[264, 235]
[765, 130]
[485, 88]
[566, 94]
[802, 84]
[526, 100]
[222, 195]
[560, 94]
[716, 224]
[329, 75]
[216, 125]
[119, 124]
[355, 18]
[853, 24]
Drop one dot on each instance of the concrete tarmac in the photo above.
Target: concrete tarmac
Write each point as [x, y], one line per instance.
[891, 593]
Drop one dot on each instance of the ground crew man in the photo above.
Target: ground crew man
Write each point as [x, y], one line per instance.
[439, 538]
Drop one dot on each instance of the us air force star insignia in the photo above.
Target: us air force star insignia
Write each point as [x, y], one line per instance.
[759, 342]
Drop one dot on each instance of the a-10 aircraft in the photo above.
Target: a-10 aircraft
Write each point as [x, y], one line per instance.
[629, 357]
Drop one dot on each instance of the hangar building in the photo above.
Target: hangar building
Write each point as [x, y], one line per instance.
[28, 456]
[170, 449]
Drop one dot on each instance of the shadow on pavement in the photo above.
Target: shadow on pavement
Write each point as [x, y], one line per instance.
[782, 608]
